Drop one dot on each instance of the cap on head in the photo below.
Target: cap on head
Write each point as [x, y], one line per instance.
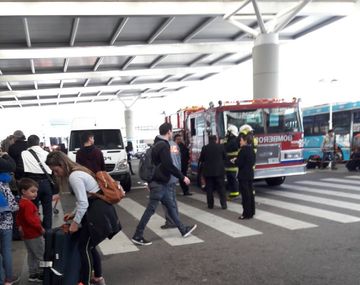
[233, 130]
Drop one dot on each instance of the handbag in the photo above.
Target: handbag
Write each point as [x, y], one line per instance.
[48, 177]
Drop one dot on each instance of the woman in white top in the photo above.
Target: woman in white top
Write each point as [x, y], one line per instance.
[93, 230]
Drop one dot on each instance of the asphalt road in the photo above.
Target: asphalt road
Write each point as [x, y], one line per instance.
[306, 231]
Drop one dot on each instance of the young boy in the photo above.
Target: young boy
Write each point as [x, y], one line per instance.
[30, 227]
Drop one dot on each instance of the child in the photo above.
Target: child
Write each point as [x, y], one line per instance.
[29, 223]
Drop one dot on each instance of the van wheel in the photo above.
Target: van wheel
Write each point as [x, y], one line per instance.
[126, 184]
[275, 181]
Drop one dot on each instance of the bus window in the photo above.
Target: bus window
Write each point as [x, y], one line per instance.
[321, 124]
[341, 122]
[308, 125]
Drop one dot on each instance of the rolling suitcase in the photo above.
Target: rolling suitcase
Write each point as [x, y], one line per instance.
[62, 258]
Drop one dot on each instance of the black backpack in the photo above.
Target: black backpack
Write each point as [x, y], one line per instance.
[146, 166]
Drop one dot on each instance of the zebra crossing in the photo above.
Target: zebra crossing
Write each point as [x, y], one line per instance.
[305, 197]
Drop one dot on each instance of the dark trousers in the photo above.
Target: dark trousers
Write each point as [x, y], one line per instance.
[89, 256]
[247, 197]
[232, 183]
[159, 193]
[184, 187]
[45, 198]
[215, 183]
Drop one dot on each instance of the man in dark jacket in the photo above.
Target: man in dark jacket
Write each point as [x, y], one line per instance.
[185, 156]
[212, 158]
[15, 151]
[159, 187]
[89, 155]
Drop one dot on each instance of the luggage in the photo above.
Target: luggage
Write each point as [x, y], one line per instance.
[62, 258]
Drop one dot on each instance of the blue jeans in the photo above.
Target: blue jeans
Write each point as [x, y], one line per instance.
[168, 220]
[45, 198]
[159, 193]
[5, 249]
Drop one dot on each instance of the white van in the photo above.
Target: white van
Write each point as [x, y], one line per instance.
[110, 141]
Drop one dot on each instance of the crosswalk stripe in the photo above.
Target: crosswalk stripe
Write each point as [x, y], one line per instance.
[319, 200]
[322, 191]
[171, 236]
[353, 177]
[264, 216]
[330, 185]
[220, 224]
[346, 181]
[329, 215]
[120, 243]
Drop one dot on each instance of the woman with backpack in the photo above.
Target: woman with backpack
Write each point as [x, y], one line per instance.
[92, 213]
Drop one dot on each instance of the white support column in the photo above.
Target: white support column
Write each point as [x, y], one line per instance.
[266, 66]
[129, 124]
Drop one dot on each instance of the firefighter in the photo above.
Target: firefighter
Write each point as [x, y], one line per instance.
[232, 148]
[247, 129]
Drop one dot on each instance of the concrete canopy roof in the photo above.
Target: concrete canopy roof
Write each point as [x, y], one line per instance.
[54, 53]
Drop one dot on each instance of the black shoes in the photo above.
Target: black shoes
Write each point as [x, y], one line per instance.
[140, 241]
[244, 217]
[168, 226]
[189, 230]
[187, 194]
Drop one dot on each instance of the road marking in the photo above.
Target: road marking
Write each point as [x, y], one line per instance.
[171, 236]
[322, 191]
[353, 177]
[264, 216]
[319, 200]
[331, 185]
[346, 181]
[220, 224]
[120, 243]
[329, 215]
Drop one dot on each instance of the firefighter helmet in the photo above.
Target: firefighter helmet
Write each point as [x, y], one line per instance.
[245, 129]
[233, 130]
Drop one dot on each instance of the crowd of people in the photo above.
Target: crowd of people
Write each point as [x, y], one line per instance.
[40, 175]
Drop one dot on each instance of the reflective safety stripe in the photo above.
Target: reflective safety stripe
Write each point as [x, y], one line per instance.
[234, 194]
[233, 153]
[231, 169]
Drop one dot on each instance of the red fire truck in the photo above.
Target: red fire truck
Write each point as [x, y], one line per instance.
[277, 126]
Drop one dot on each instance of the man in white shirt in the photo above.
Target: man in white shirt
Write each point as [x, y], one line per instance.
[328, 148]
[33, 170]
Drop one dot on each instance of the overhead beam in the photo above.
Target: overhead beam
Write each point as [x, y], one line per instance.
[112, 73]
[160, 8]
[94, 89]
[129, 50]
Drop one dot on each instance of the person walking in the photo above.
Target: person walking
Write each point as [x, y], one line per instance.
[231, 148]
[212, 160]
[15, 151]
[185, 157]
[328, 148]
[129, 149]
[176, 159]
[8, 205]
[98, 219]
[29, 223]
[245, 162]
[159, 188]
[35, 170]
[89, 155]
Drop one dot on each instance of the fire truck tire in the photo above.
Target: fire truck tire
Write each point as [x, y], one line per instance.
[275, 181]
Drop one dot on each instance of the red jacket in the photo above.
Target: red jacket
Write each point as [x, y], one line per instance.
[28, 218]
